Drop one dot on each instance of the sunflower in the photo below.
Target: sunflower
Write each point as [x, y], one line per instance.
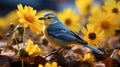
[70, 19]
[29, 18]
[105, 21]
[83, 5]
[92, 35]
[112, 6]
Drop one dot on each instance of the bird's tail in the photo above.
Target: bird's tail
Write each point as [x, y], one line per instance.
[94, 49]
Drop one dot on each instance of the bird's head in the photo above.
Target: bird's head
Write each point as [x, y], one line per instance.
[48, 18]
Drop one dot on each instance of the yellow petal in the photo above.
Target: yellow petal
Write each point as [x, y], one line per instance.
[40, 65]
[35, 51]
[84, 31]
[47, 65]
[20, 7]
[88, 57]
[29, 46]
[35, 28]
[54, 64]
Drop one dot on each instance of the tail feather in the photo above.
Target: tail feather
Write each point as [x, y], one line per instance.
[94, 49]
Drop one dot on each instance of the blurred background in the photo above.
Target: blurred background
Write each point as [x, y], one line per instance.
[81, 13]
[57, 5]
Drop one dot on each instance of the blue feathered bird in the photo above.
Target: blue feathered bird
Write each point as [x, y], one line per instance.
[58, 34]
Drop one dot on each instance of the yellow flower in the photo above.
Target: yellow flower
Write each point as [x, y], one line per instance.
[29, 18]
[112, 6]
[94, 9]
[12, 17]
[93, 35]
[70, 19]
[33, 50]
[105, 21]
[83, 6]
[3, 24]
[53, 64]
[88, 58]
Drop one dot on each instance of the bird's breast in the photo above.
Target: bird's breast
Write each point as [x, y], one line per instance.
[46, 33]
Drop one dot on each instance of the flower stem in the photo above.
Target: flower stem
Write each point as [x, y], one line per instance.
[22, 61]
[17, 43]
[28, 61]
[15, 33]
[106, 44]
[24, 37]
[8, 42]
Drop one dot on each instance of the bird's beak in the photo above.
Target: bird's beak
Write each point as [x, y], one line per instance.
[42, 18]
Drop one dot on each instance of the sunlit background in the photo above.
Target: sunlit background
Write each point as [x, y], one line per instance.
[8, 5]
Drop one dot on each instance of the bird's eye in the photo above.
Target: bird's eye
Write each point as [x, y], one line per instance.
[49, 17]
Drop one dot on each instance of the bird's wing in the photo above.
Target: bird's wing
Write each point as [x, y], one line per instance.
[60, 31]
[64, 34]
[77, 36]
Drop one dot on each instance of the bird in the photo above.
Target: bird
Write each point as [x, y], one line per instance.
[58, 34]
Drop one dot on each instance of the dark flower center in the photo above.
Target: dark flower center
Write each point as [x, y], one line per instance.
[23, 53]
[68, 21]
[92, 36]
[115, 10]
[105, 24]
